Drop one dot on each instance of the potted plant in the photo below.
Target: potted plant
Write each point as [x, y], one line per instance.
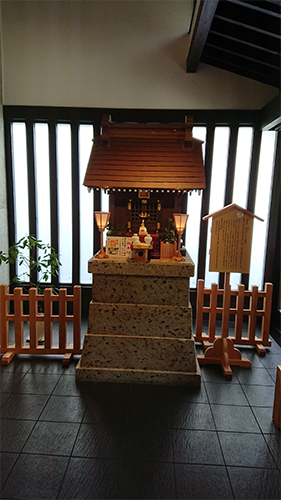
[168, 241]
[40, 261]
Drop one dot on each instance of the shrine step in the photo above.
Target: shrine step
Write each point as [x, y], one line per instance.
[96, 375]
[141, 290]
[140, 319]
[138, 353]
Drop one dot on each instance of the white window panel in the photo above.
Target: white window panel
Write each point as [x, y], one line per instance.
[104, 201]
[194, 203]
[19, 160]
[86, 133]
[241, 179]
[42, 183]
[64, 201]
[262, 207]
[217, 192]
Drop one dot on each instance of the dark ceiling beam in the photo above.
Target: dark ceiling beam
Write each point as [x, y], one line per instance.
[271, 114]
[258, 6]
[267, 32]
[243, 42]
[202, 27]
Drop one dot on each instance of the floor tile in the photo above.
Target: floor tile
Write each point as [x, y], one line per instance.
[149, 480]
[97, 441]
[35, 476]
[21, 363]
[10, 381]
[103, 410]
[259, 395]
[252, 355]
[255, 484]
[274, 442]
[64, 409]
[246, 450]
[264, 418]
[214, 373]
[234, 418]
[254, 376]
[148, 443]
[149, 391]
[197, 447]
[179, 395]
[7, 461]
[202, 482]
[114, 479]
[90, 478]
[24, 406]
[193, 416]
[149, 412]
[271, 360]
[47, 364]
[52, 438]
[37, 383]
[224, 394]
[4, 396]
[14, 434]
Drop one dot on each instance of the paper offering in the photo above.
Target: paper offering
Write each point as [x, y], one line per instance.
[118, 246]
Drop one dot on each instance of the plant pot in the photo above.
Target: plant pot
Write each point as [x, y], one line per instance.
[167, 250]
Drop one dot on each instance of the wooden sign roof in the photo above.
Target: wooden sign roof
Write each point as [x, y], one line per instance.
[147, 156]
[231, 207]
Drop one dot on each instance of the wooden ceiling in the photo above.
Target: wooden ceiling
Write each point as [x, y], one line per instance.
[146, 156]
[240, 36]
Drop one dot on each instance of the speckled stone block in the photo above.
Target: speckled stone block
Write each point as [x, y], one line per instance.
[139, 353]
[160, 290]
[166, 268]
[92, 374]
[140, 319]
[140, 324]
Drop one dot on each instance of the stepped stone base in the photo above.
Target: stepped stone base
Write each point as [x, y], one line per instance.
[92, 374]
[140, 324]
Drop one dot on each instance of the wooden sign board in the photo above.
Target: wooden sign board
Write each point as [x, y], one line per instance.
[231, 241]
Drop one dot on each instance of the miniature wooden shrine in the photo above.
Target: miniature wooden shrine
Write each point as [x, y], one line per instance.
[140, 318]
[147, 169]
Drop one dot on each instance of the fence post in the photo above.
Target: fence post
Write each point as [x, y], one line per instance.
[239, 313]
[77, 317]
[62, 318]
[199, 309]
[4, 326]
[213, 312]
[253, 313]
[18, 318]
[32, 317]
[48, 318]
[265, 328]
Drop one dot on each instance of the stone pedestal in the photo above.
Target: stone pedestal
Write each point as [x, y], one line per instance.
[140, 324]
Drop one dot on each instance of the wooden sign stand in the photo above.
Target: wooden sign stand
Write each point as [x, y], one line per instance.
[223, 352]
[230, 251]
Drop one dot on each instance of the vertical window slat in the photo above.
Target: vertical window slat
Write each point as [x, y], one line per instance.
[262, 206]
[42, 182]
[194, 203]
[20, 178]
[217, 193]
[86, 203]
[64, 201]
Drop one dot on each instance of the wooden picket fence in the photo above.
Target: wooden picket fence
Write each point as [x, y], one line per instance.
[239, 311]
[18, 317]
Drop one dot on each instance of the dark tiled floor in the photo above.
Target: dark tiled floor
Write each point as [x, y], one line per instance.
[65, 440]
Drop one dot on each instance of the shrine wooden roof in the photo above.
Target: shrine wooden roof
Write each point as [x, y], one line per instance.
[147, 156]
